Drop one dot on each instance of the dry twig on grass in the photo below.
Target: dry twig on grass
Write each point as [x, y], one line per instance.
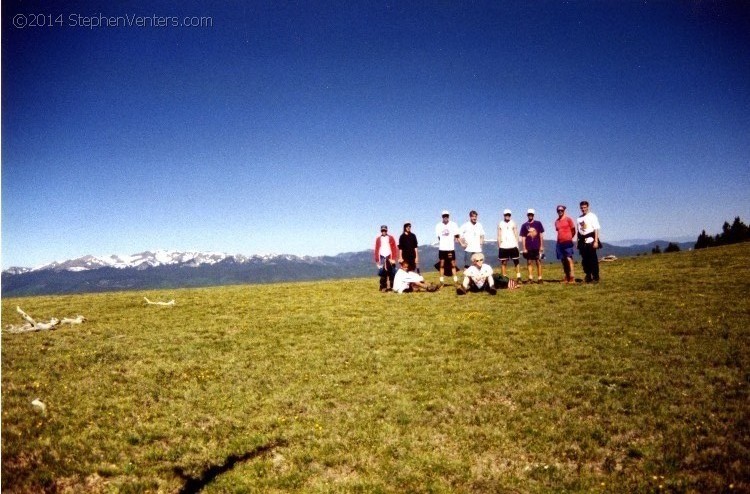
[34, 325]
[166, 304]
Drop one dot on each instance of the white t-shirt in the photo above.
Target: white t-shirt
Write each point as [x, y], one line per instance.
[385, 246]
[472, 233]
[403, 278]
[587, 223]
[479, 276]
[446, 233]
[506, 235]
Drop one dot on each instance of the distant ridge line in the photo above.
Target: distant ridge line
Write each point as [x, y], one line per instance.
[234, 270]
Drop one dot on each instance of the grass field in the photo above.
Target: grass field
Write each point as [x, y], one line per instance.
[637, 384]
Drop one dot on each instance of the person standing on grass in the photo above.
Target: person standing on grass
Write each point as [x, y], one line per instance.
[384, 255]
[588, 242]
[566, 230]
[532, 239]
[507, 244]
[447, 232]
[407, 281]
[471, 237]
[408, 247]
[478, 277]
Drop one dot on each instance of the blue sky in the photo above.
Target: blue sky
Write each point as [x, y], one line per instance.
[301, 127]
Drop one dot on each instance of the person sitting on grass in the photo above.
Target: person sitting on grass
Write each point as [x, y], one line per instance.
[407, 281]
[477, 277]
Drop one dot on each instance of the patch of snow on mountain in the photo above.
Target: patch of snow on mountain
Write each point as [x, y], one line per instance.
[146, 259]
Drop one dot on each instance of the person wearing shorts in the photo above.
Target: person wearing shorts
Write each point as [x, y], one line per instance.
[566, 230]
[507, 244]
[532, 239]
[447, 232]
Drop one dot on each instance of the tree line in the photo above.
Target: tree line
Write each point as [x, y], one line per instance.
[730, 234]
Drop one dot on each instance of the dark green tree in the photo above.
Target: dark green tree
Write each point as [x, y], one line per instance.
[730, 234]
[656, 250]
[724, 237]
[738, 232]
[672, 247]
[704, 240]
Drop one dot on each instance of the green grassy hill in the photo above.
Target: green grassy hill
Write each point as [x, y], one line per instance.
[637, 384]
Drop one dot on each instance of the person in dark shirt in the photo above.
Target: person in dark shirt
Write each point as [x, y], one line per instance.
[408, 247]
[532, 239]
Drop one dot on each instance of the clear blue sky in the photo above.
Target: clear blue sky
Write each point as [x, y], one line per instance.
[300, 127]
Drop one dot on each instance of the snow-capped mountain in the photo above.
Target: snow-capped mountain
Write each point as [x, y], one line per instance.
[149, 259]
[164, 268]
[16, 270]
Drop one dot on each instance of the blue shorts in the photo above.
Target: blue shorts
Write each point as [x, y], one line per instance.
[564, 250]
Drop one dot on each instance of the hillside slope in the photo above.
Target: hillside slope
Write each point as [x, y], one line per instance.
[637, 384]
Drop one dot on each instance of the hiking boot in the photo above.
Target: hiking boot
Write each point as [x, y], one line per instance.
[460, 291]
[492, 291]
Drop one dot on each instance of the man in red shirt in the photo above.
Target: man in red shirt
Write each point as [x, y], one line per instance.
[566, 230]
[385, 255]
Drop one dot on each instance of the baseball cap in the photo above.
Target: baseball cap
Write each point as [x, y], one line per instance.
[507, 211]
[531, 211]
[383, 227]
[445, 213]
[560, 206]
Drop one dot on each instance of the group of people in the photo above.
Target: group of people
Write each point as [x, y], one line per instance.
[398, 263]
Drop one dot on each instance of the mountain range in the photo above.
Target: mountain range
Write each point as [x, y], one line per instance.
[163, 269]
[148, 259]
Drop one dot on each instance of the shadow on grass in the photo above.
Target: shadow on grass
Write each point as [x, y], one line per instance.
[193, 485]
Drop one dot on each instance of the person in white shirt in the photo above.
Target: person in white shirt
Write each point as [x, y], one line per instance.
[588, 242]
[471, 237]
[407, 281]
[447, 232]
[478, 277]
[507, 244]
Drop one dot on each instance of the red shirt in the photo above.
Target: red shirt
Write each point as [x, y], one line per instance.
[565, 229]
[391, 242]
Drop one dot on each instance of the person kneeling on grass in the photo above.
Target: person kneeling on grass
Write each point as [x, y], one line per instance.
[477, 277]
[407, 281]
